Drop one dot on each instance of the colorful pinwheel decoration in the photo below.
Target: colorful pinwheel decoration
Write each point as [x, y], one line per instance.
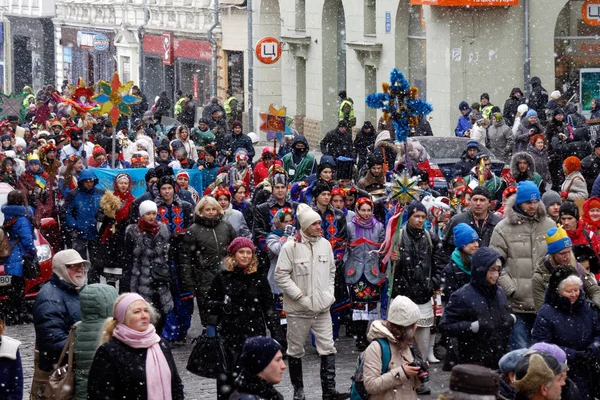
[275, 123]
[404, 188]
[12, 104]
[115, 98]
[400, 103]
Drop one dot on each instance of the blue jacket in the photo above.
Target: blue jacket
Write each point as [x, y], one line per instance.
[82, 208]
[19, 229]
[464, 124]
[596, 187]
[55, 311]
[482, 302]
[11, 370]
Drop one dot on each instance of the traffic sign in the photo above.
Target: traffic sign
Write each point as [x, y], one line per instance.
[268, 50]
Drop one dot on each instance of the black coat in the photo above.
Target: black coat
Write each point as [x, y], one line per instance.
[119, 372]
[251, 387]
[479, 301]
[234, 142]
[590, 168]
[538, 98]
[337, 144]
[418, 271]
[163, 106]
[484, 230]
[138, 109]
[188, 114]
[510, 107]
[364, 143]
[263, 220]
[454, 279]
[463, 167]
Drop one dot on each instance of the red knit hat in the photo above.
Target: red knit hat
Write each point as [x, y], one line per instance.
[240, 243]
[572, 164]
[98, 150]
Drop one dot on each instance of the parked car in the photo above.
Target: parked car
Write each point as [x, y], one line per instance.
[443, 153]
[44, 252]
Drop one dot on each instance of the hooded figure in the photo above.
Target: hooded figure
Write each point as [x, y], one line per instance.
[478, 314]
[500, 137]
[595, 108]
[299, 163]
[515, 99]
[528, 174]
[364, 143]
[539, 97]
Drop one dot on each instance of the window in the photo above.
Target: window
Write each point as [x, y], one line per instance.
[417, 50]
[300, 86]
[370, 17]
[370, 87]
[300, 15]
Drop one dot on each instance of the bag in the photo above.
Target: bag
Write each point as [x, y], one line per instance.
[578, 202]
[5, 245]
[31, 267]
[358, 390]
[208, 358]
[61, 385]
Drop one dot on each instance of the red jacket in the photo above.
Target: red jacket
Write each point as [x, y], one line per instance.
[261, 172]
[585, 237]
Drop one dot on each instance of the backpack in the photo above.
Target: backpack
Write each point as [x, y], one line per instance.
[5, 245]
[358, 390]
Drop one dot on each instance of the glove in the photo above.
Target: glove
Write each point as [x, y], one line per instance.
[475, 326]
[211, 331]
[564, 195]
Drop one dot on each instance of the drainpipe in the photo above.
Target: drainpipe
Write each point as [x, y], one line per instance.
[213, 42]
[250, 69]
[527, 55]
[141, 80]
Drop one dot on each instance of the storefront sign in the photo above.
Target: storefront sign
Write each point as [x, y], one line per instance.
[195, 86]
[465, 3]
[168, 53]
[184, 48]
[100, 42]
[590, 11]
[388, 22]
[268, 50]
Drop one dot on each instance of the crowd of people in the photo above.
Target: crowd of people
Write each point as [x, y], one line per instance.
[274, 250]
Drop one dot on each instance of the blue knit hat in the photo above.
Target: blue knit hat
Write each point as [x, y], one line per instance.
[472, 144]
[257, 353]
[527, 191]
[531, 113]
[463, 235]
[463, 106]
[557, 240]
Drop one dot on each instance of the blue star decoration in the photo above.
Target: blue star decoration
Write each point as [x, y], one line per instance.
[400, 103]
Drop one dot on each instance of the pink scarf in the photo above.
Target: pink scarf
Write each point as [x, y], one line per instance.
[158, 373]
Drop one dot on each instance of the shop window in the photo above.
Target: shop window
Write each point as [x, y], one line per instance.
[235, 75]
[370, 17]
[417, 50]
[300, 15]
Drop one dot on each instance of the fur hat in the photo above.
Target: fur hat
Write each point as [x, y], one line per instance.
[147, 206]
[473, 380]
[572, 164]
[403, 312]
[536, 369]
[306, 216]
[165, 180]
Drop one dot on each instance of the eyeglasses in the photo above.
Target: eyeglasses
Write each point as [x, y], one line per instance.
[75, 267]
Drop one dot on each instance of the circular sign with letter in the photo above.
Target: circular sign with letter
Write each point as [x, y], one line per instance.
[590, 12]
[268, 50]
[101, 42]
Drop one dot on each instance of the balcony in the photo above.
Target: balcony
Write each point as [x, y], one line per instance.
[31, 8]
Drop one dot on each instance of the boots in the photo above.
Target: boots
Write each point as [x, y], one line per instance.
[431, 357]
[328, 379]
[295, 366]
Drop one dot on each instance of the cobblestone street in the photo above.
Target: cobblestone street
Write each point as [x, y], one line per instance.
[197, 388]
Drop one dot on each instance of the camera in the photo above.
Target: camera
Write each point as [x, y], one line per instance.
[290, 230]
[423, 373]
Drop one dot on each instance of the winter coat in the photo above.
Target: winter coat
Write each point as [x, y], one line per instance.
[138, 109]
[530, 174]
[41, 200]
[150, 266]
[188, 114]
[204, 246]
[370, 183]
[235, 142]
[17, 221]
[238, 222]
[511, 105]
[485, 303]
[484, 230]
[596, 110]
[263, 220]
[575, 186]
[261, 171]
[11, 370]
[247, 210]
[394, 384]
[479, 133]
[363, 259]
[55, 311]
[96, 302]
[596, 187]
[541, 277]
[418, 271]
[538, 97]
[178, 215]
[298, 168]
[520, 240]
[456, 274]
[523, 134]
[501, 140]
[189, 146]
[253, 387]
[464, 165]
[590, 169]
[305, 273]
[82, 209]
[162, 106]
[577, 144]
[541, 158]
[336, 143]
[249, 309]
[490, 181]
[572, 327]
[423, 129]
[119, 372]
[463, 125]
[364, 143]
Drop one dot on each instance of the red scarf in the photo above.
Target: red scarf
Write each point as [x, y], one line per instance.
[151, 229]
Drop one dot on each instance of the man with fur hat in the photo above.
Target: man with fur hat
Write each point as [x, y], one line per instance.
[338, 142]
[299, 163]
[524, 217]
[539, 376]
[559, 254]
[305, 272]
[374, 180]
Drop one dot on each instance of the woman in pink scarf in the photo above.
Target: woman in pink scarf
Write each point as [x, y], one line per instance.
[133, 362]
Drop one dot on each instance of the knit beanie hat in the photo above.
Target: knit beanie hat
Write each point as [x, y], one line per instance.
[238, 243]
[484, 96]
[147, 206]
[555, 95]
[572, 164]
[509, 361]
[403, 312]
[165, 180]
[592, 202]
[531, 113]
[597, 144]
[98, 150]
[473, 380]
[472, 144]
[257, 353]
[481, 191]
[557, 240]
[509, 191]
[569, 208]
[320, 187]
[463, 106]
[552, 349]
[463, 235]
[527, 191]
[414, 207]
[182, 172]
[523, 108]
[551, 197]
[306, 216]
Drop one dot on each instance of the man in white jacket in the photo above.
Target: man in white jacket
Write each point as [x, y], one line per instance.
[305, 272]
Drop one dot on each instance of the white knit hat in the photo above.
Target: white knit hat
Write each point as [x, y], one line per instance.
[403, 311]
[147, 206]
[555, 95]
[306, 216]
[522, 108]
